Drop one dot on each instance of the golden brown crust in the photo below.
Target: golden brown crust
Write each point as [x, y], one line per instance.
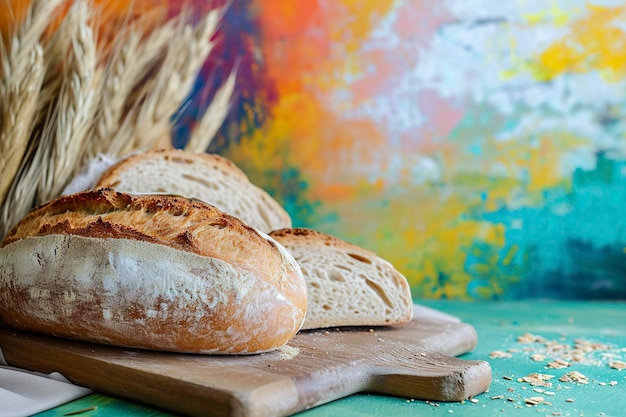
[298, 235]
[177, 222]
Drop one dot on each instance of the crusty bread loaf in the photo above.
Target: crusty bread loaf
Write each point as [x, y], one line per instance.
[152, 271]
[208, 177]
[346, 284]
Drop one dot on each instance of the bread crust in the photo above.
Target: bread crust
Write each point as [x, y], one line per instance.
[86, 243]
[275, 215]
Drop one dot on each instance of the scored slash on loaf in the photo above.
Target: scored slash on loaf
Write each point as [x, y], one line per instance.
[151, 271]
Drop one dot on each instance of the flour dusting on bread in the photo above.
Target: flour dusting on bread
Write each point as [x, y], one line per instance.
[150, 271]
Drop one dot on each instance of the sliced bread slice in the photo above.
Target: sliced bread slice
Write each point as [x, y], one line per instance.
[346, 284]
[208, 177]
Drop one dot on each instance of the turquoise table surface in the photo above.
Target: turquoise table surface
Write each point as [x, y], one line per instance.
[518, 339]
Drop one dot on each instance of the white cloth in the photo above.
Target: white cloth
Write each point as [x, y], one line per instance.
[24, 393]
[90, 174]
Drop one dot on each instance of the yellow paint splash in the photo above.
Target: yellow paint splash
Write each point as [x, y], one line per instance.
[555, 14]
[595, 43]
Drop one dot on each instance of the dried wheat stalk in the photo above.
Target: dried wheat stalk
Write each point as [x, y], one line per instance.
[55, 53]
[204, 131]
[169, 88]
[22, 76]
[76, 107]
[62, 100]
[22, 194]
[128, 67]
[53, 147]
[19, 95]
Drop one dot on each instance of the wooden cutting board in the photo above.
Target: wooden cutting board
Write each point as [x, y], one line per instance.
[413, 361]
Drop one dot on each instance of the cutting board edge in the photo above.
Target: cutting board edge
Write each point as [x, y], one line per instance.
[76, 366]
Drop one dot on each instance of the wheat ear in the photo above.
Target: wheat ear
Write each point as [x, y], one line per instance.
[19, 96]
[55, 53]
[167, 91]
[22, 76]
[76, 107]
[204, 131]
[22, 194]
[126, 69]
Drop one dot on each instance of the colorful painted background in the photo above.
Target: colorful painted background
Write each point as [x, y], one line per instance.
[479, 146]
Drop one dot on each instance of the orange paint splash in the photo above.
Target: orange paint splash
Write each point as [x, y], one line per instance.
[299, 50]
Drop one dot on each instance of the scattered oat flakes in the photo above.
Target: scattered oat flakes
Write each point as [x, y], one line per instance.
[497, 397]
[500, 354]
[587, 346]
[474, 400]
[508, 378]
[530, 338]
[574, 376]
[619, 365]
[554, 346]
[569, 400]
[563, 354]
[533, 401]
[558, 364]
[537, 379]
[613, 383]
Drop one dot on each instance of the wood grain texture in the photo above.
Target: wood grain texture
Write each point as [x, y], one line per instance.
[413, 361]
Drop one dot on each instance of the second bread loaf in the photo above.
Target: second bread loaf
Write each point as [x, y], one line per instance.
[347, 285]
[208, 177]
